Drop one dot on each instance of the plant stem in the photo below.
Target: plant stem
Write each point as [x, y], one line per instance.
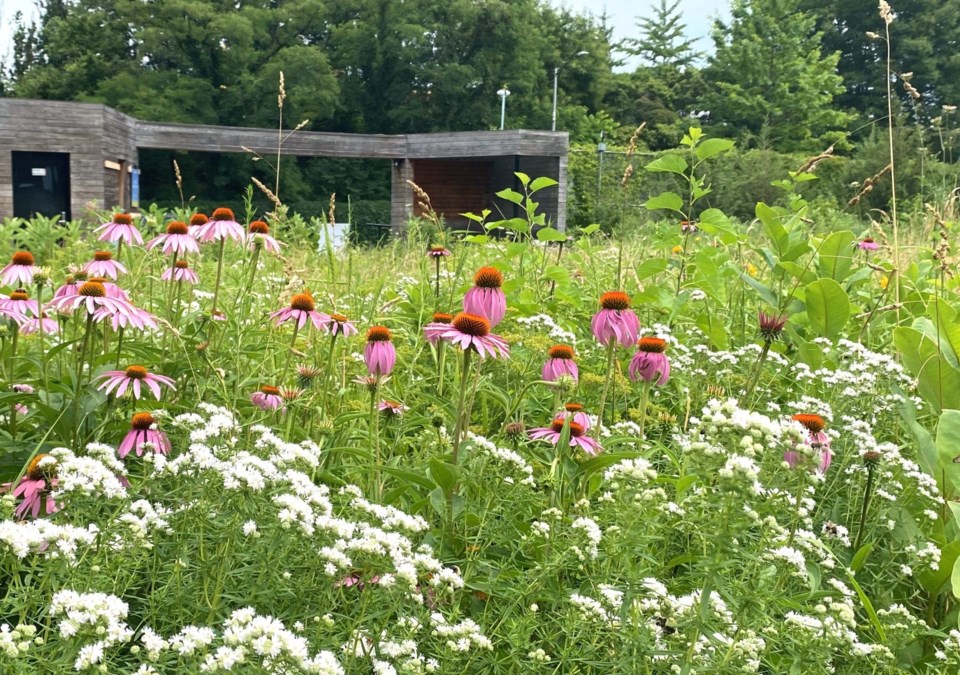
[441, 353]
[436, 291]
[375, 438]
[328, 372]
[644, 398]
[755, 373]
[216, 288]
[462, 413]
[867, 490]
[606, 387]
[119, 346]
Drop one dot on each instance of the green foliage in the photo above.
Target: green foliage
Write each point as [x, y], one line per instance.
[772, 79]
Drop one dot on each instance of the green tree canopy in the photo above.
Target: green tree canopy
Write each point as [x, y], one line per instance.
[771, 77]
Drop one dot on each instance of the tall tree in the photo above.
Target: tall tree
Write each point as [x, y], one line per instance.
[925, 40]
[772, 79]
[663, 37]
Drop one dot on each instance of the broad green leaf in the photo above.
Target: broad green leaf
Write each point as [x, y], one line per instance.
[713, 146]
[671, 162]
[955, 579]
[667, 200]
[541, 183]
[765, 292]
[803, 274]
[550, 234]
[937, 381]
[828, 307]
[511, 196]
[927, 455]
[715, 222]
[773, 227]
[836, 255]
[932, 581]
[590, 229]
[648, 268]
[524, 178]
[445, 475]
[948, 450]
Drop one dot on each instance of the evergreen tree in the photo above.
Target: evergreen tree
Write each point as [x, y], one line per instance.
[770, 77]
[662, 38]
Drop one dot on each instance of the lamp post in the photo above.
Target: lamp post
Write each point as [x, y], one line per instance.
[556, 72]
[503, 92]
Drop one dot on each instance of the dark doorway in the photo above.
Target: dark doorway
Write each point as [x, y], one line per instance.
[41, 184]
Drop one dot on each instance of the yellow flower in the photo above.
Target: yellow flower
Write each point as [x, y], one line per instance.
[751, 269]
[677, 250]
[884, 280]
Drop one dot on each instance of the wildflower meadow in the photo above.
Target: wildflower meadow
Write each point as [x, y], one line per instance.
[678, 442]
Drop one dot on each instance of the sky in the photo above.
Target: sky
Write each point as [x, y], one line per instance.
[622, 15]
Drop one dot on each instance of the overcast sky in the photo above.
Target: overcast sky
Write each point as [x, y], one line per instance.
[622, 15]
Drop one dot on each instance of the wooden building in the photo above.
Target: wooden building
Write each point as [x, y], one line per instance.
[68, 158]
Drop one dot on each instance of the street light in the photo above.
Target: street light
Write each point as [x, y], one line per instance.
[556, 72]
[503, 93]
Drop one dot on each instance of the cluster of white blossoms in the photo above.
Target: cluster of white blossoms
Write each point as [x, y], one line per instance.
[543, 323]
[97, 474]
[16, 641]
[506, 457]
[144, 521]
[46, 537]
[91, 615]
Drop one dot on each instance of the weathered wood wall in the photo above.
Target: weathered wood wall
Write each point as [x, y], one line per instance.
[93, 134]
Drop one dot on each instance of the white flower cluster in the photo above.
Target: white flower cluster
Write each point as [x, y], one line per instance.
[44, 536]
[144, 522]
[96, 475]
[630, 472]
[460, 637]
[505, 456]
[16, 642]
[91, 615]
[593, 534]
[545, 323]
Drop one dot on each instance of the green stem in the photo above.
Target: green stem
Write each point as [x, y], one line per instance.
[293, 341]
[441, 353]
[866, 504]
[606, 387]
[644, 398]
[328, 372]
[375, 438]
[119, 346]
[755, 373]
[76, 398]
[462, 413]
[216, 288]
[436, 291]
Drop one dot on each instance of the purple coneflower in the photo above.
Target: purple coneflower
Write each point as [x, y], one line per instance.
[394, 408]
[560, 364]
[197, 221]
[103, 265]
[22, 388]
[112, 289]
[867, 244]
[485, 298]
[20, 270]
[132, 378]
[259, 235]
[144, 435]
[36, 487]
[440, 324]
[180, 272]
[650, 364]
[470, 330]
[39, 324]
[121, 228]
[19, 303]
[615, 321]
[222, 225]
[771, 325]
[438, 252]
[575, 412]
[301, 309]
[578, 435]
[338, 324]
[176, 240]
[92, 296]
[267, 398]
[380, 355]
[816, 439]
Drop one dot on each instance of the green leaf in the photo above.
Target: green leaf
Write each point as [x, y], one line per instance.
[932, 581]
[667, 200]
[590, 229]
[713, 146]
[524, 178]
[445, 475]
[541, 183]
[764, 291]
[955, 579]
[715, 222]
[836, 255]
[510, 196]
[948, 450]
[774, 228]
[828, 307]
[861, 556]
[648, 268]
[803, 274]
[937, 381]
[672, 163]
[550, 234]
